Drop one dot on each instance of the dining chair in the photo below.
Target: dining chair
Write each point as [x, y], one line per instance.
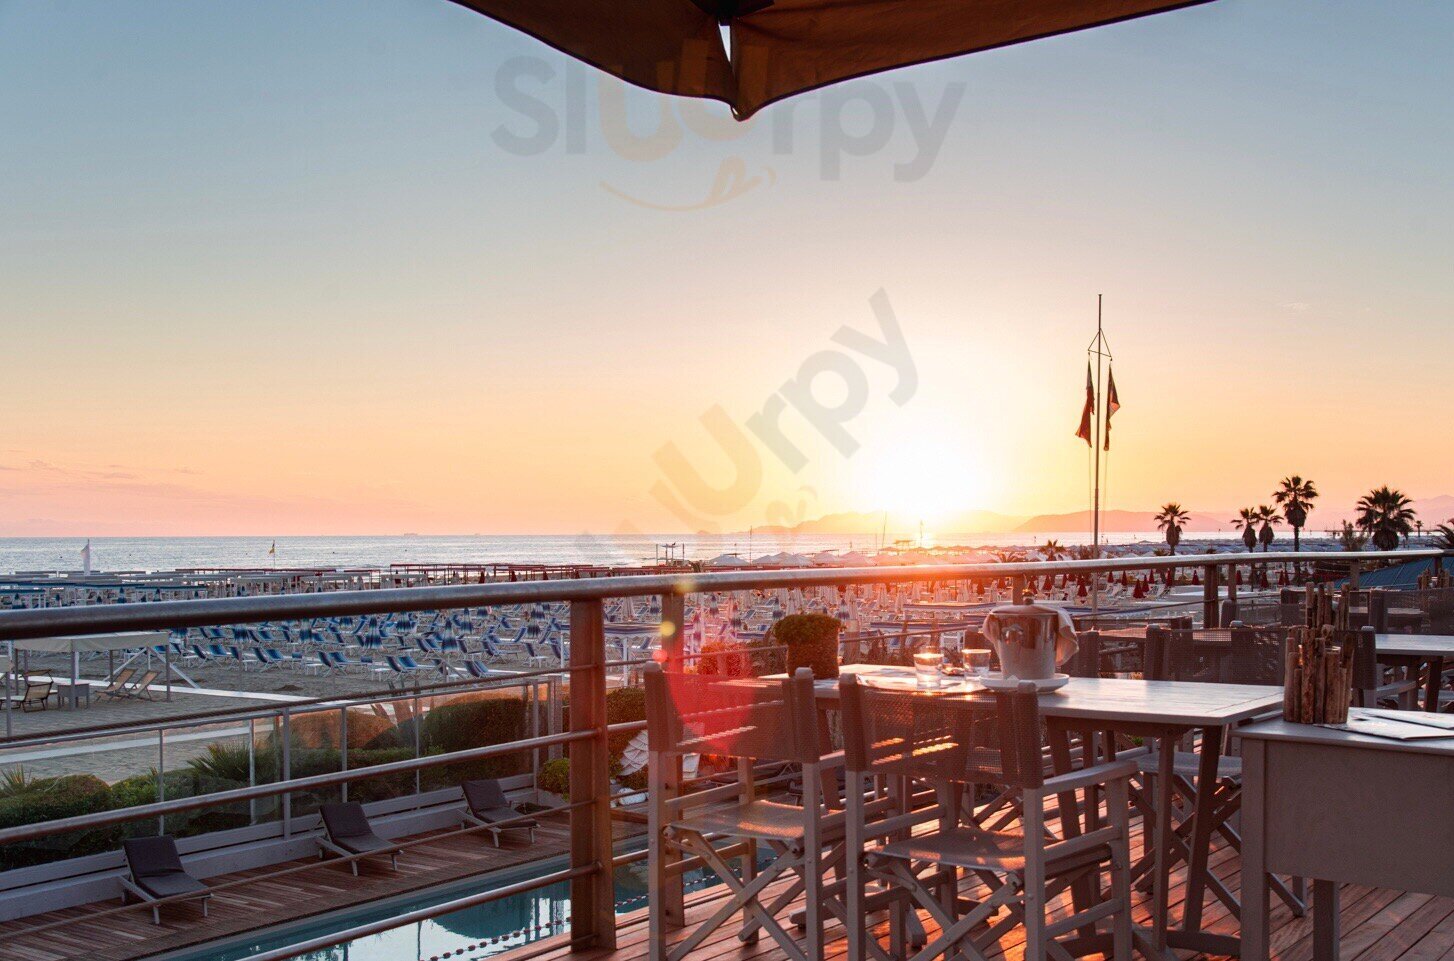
[957, 747]
[749, 720]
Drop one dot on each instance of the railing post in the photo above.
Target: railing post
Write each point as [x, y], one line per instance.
[287, 774]
[673, 623]
[1353, 576]
[343, 751]
[1209, 596]
[161, 775]
[1231, 605]
[1017, 588]
[593, 901]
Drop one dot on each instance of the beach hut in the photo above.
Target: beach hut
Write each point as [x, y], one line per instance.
[726, 560]
[136, 641]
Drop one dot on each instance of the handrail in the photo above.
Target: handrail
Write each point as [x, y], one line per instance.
[98, 819]
[301, 706]
[105, 618]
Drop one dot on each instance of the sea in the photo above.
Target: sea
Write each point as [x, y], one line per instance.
[26, 554]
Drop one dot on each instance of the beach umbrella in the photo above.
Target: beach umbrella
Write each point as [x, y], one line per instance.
[778, 48]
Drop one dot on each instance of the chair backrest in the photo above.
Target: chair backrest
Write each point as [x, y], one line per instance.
[120, 678]
[38, 690]
[151, 857]
[483, 794]
[985, 738]
[147, 679]
[1257, 655]
[346, 820]
[735, 717]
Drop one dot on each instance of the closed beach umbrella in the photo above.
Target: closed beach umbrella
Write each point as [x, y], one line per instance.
[777, 48]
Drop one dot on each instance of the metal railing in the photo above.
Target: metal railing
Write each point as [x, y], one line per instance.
[591, 855]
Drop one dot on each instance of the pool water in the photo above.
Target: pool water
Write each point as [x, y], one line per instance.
[479, 932]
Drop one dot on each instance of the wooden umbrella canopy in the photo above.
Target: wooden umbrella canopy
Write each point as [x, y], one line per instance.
[784, 47]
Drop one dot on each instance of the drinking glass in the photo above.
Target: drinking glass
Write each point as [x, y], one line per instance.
[926, 668]
[976, 662]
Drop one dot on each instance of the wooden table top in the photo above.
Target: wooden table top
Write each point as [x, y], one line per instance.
[1416, 645]
[1112, 699]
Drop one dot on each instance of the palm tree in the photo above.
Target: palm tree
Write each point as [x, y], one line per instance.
[1172, 519]
[1351, 538]
[1267, 517]
[1052, 550]
[1444, 536]
[1246, 522]
[1295, 496]
[1385, 514]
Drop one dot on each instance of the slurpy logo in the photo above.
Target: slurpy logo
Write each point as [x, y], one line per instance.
[890, 123]
[820, 401]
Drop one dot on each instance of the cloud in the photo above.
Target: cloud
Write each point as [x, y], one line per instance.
[1298, 307]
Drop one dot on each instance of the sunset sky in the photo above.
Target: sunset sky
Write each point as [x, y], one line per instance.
[373, 267]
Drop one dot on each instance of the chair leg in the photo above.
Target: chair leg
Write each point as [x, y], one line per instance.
[1120, 872]
[1034, 894]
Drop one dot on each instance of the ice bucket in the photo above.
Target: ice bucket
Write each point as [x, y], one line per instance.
[1032, 640]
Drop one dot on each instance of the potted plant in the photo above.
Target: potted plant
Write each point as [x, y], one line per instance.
[552, 784]
[812, 642]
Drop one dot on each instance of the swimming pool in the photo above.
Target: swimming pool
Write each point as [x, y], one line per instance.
[479, 932]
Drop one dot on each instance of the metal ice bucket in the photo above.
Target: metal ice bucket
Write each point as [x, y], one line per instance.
[1032, 640]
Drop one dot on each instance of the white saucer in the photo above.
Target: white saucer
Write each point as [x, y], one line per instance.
[996, 681]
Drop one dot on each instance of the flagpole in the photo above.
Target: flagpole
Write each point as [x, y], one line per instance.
[1096, 509]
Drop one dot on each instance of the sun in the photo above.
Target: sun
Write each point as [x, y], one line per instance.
[922, 476]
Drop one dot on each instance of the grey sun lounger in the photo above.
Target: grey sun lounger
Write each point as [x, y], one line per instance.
[156, 872]
[347, 832]
[486, 805]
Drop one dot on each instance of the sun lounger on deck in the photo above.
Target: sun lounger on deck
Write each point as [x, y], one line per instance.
[347, 832]
[156, 872]
[487, 806]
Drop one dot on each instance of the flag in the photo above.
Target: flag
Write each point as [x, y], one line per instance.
[274, 549]
[1113, 403]
[1084, 433]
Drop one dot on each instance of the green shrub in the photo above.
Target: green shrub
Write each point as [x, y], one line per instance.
[465, 724]
[555, 777]
[812, 641]
[623, 705]
[50, 799]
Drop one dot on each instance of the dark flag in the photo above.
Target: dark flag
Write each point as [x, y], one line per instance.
[1113, 404]
[1084, 433]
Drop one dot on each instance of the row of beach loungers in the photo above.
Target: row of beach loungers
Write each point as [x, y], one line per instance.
[155, 872]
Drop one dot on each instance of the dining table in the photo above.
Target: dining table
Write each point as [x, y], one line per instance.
[1163, 713]
[1429, 651]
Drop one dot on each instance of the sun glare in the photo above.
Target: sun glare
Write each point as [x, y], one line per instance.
[921, 477]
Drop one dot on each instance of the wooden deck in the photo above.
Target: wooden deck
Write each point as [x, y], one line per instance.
[1378, 925]
[90, 934]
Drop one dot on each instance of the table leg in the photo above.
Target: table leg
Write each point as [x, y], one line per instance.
[1161, 890]
[1325, 920]
[1202, 817]
[1431, 684]
[1254, 855]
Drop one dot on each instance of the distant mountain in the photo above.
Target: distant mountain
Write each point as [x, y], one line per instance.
[1118, 522]
[1431, 510]
[872, 522]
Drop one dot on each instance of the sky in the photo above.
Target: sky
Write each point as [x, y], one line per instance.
[381, 267]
